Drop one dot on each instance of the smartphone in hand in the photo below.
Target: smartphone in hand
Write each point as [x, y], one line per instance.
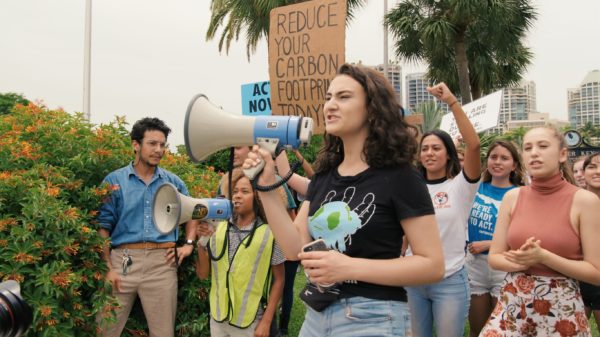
[315, 246]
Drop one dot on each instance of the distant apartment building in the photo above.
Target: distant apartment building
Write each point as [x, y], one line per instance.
[394, 76]
[517, 104]
[416, 92]
[535, 119]
[583, 102]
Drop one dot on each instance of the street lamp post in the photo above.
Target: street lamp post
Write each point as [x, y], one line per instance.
[87, 58]
[385, 41]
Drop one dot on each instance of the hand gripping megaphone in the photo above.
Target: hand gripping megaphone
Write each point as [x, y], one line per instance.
[209, 129]
[171, 208]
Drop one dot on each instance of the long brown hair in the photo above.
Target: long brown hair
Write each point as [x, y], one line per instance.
[517, 176]
[389, 142]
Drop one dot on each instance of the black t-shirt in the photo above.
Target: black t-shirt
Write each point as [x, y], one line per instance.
[361, 216]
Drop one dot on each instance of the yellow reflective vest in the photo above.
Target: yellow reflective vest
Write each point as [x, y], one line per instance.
[237, 289]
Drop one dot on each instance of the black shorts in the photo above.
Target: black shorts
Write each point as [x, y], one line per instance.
[591, 295]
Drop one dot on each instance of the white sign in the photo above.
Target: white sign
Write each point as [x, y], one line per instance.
[483, 114]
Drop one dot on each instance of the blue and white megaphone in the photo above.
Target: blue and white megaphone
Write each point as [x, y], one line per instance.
[171, 208]
[209, 129]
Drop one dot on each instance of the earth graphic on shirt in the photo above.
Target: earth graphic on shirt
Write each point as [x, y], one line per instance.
[333, 222]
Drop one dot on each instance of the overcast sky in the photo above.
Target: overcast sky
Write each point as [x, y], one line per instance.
[150, 57]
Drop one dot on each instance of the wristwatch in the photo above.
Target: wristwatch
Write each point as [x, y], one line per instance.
[189, 242]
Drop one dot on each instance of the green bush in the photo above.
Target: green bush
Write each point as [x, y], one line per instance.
[51, 167]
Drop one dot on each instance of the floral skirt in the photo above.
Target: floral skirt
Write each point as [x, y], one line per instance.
[532, 305]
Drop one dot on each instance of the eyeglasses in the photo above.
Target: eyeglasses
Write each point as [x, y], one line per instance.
[155, 143]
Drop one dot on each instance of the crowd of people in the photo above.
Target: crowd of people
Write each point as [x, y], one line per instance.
[418, 238]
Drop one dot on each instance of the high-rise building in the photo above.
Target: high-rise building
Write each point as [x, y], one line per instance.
[394, 76]
[583, 102]
[517, 103]
[416, 92]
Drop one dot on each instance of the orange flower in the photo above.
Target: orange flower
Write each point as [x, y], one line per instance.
[31, 128]
[542, 307]
[115, 187]
[100, 135]
[4, 175]
[38, 244]
[53, 191]
[17, 277]
[103, 152]
[85, 229]
[510, 288]
[3, 243]
[24, 258]
[100, 191]
[72, 249]
[7, 222]
[565, 328]
[27, 151]
[73, 185]
[524, 283]
[71, 213]
[62, 279]
[45, 310]
[93, 213]
[51, 322]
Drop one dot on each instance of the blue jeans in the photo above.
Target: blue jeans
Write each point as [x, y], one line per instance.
[445, 303]
[358, 317]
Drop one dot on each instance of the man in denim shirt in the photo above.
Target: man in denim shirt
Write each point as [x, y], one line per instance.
[142, 261]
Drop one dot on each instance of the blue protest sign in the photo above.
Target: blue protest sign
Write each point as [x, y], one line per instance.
[256, 99]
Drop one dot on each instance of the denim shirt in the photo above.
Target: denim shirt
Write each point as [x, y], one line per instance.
[127, 214]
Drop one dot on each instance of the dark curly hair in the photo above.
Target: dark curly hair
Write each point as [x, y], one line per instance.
[148, 124]
[389, 142]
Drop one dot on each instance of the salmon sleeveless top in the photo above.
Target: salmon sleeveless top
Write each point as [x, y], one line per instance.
[543, 211]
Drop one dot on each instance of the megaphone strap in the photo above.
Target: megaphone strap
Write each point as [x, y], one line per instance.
[278, 184]
[225, 245]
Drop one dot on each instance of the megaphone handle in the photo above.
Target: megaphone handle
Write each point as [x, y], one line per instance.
[203, 240]
[251, 173]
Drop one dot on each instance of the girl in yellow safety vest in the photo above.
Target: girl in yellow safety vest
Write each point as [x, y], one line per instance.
[245, 265]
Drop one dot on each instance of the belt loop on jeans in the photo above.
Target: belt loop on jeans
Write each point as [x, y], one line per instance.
[146, 245]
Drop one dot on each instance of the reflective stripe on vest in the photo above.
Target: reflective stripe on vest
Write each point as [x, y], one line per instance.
[237, 289]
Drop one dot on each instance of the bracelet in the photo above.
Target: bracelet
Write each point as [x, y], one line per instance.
[451, 104]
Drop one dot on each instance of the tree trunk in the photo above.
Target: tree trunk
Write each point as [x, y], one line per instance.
[462, 64]
[475, 91]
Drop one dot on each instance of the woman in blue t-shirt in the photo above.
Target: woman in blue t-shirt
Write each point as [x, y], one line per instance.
[502, 173]
[364, 196]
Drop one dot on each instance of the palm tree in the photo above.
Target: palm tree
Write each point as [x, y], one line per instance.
[432, 115]
[516, 136]
[474, 46]
[251, 16]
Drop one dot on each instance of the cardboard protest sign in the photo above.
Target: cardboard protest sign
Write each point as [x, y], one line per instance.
[306, 47]
[483, 114]
[256, 99]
